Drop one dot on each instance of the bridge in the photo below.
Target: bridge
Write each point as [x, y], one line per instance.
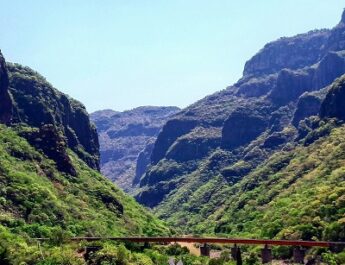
[266, 253]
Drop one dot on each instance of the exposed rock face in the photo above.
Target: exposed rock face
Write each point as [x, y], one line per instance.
[281, 118]
[6, 102]
[37, 103]
[309, 104]
[336, 42]
[257, 116]
[170, 133]
[296, 52]
[126, 140]
[242, 127]
[291, 84]
[143, 160]
[52, 143]
[153, 196]
[293, 53]
[256, 87]
[194, 145]
[333, 105]
[329, 68]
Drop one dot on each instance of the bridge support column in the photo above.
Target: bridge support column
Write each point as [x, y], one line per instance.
[146, 245]
[266, 255]
[236, 254]
[238, 257]
[205, 250]
[89, 250]
[298, 255]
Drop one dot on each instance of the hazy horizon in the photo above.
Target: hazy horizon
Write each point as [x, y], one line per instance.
[120, 55]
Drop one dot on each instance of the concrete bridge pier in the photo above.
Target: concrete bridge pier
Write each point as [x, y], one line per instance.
[236, 254]
[89, 250]
[266, 255]
[238, 257]
[298, 255]
[146, 245]
[205, 250]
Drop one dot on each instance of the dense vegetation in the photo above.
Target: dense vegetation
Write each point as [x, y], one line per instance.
[263, 158]
[50, 187]
[49, 183]
[296, 194]
[283, 84]
[224, 164]
[37, 200]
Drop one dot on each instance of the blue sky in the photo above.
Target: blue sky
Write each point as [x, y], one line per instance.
[121, 54]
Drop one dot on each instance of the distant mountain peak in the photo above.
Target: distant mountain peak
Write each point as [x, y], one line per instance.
[343, 17]
[127, 140]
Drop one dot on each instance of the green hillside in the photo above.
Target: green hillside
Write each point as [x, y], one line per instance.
[36, 200]
[297, 193]
[50, 185]
[263, 158]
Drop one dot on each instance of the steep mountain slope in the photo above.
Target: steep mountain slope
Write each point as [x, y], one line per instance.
[47, 187]
[206, 152]
[36, 197]
[298, 192]
[6, 102]
[126, 141]
[37, 103]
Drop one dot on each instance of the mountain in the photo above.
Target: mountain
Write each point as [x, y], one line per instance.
[49, 180]
[126, 141]
[299, 192]
[38, 103]
[234, 160]
[6, 106]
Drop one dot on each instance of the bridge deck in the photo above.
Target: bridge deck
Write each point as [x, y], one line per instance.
[210, 240]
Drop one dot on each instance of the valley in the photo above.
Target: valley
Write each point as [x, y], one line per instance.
[126, 141]
[264, 157]
[252, 174]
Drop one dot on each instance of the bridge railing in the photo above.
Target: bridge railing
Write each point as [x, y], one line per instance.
[211, 240]
[266, 252]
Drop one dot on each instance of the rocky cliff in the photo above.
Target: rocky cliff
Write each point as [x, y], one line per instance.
[38, 103]
[126, 140]
[6, 101]
[262, 114]
[293, 53]
[333, 105]
[49, 185]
